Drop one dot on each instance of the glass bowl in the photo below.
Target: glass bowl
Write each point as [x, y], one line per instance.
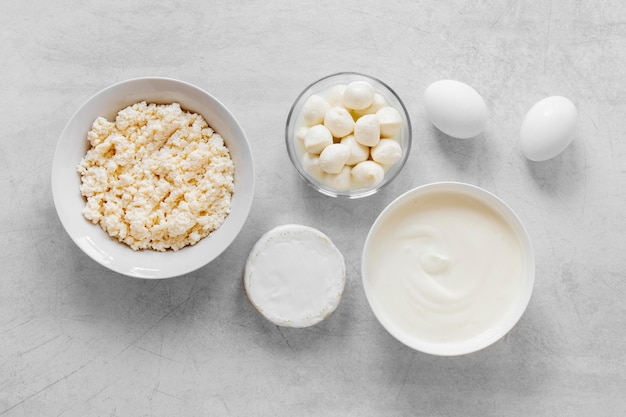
[323, 87]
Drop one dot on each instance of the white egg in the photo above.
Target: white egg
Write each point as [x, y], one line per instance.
[455, 108]
[548, 128]
[378, 103]
[334, 95]
[390, 121]
[340, 181]
[314, 109]
[316, 138]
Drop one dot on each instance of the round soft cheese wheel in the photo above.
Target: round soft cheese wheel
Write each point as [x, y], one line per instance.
[295, 276]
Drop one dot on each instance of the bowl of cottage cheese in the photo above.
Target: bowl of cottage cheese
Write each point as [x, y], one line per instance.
[348, 135]
[153, 177]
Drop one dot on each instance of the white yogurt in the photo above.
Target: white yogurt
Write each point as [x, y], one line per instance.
[443, 268]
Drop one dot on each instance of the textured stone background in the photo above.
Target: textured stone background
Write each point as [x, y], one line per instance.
[78, 340]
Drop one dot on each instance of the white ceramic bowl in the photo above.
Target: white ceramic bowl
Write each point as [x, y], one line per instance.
[295, 121]
[431, 300]
[73, 145]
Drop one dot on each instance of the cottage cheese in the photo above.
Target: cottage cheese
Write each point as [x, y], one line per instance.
[158, 177]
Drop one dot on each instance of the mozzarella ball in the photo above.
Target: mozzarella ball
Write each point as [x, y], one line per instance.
[367, 173]
[358, 152]
[311, 164]
[340, 181]
[367, 130]
[317, 138]
[378, 103]
[358, 95]
[334, 157]
[387, 152]
[301, 133]
[390, 121]
[314, 109]
[339, 121]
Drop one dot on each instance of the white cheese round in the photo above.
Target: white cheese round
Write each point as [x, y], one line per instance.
[368, 173]
[314, 110]
[367, 130]
[339, 121]
[358, 152]
[317, 138]
[358, 95]
[295, 276]
[387, 152]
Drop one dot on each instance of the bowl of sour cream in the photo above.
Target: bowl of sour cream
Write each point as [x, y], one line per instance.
[448, 268]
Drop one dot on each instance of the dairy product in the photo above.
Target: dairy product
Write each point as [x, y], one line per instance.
[157, 177]
[295, 276]
[455, 108]
[314, 109]
[548, 128]
[444, 267]
[343, 124]
[311, 162]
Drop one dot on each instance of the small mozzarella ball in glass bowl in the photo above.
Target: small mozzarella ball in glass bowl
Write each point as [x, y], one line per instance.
[334, 157]
[390, 121]
[358, 152]
[317, 138]
[378, 103]
[339, 121]
[360, 112]
[367, 130]
[358, 95]
[386, 152]
[311, 163]
[368, 173]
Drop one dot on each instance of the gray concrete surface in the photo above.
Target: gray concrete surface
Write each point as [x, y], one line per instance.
[78, 340]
